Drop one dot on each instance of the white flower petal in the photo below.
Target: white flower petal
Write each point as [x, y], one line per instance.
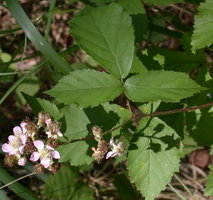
[60, 134]
[48, 134]
[13, 138]
[23, 125]
[111, 154]
[7, 148]
[112, 142]
[38, 144]
[35, 156]
[49, 147]
[21, 149]
[23, 138]
[48, 122]
[45, 162]
[22, 161]
[17, 131]
[55, 154]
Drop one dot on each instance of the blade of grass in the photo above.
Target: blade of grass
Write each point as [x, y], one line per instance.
[3, 195]
[13, 73]
[184, 186]
[32, 33]
[5, 67]
[49, 18]
[18, 60]
[16, 187]
[17, 83]
[4, 32]
[176, 192]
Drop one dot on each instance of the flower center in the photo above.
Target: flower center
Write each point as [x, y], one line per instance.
[16, 144]
[44, 153]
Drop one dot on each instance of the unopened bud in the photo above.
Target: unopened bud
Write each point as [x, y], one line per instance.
[53, 142]
[29, 147]
[31, 128]
[54, 127]
[39, 168]
[96, 131]
[10, 160]
[54, 167]
[42, 117]
[100, 151]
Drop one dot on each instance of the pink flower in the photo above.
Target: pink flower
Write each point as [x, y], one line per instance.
[20, 130]
[45, 153]
[117, 149]
[15, 145]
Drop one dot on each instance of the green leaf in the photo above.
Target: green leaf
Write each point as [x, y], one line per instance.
[203, 27]
[137, 66]
[201, 127]
[30, 86]
[3, 195]
[78, 125]
[64, 182]
[176, 120]
[153, 157]
[76, 122]
[16, 187]
[164, 2]
[167, 86]
[83, 192]
[148, 108]
[177, 61]
[77, 153]
[133, 7]
[86, 88]
[209, 186]
[106, 34]
[38, 105]
[124, 188]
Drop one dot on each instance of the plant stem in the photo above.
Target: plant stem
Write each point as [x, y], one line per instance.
[154, 114]
[25, 176]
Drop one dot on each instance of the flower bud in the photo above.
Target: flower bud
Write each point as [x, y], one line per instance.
[29, 147]
[100, 151]
[10, 160]
[31, 128]
[39, 168]
[96, 131]
[54, 167]
[42, 117]
[53, 142]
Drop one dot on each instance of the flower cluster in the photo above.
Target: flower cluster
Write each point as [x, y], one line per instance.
[117, 148]
[34, 142]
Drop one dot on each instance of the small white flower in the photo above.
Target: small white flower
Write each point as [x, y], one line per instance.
[117, 149]
[45, 153]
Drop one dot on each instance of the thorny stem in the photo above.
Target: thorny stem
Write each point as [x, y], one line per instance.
[25, 176]
[142, 115]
